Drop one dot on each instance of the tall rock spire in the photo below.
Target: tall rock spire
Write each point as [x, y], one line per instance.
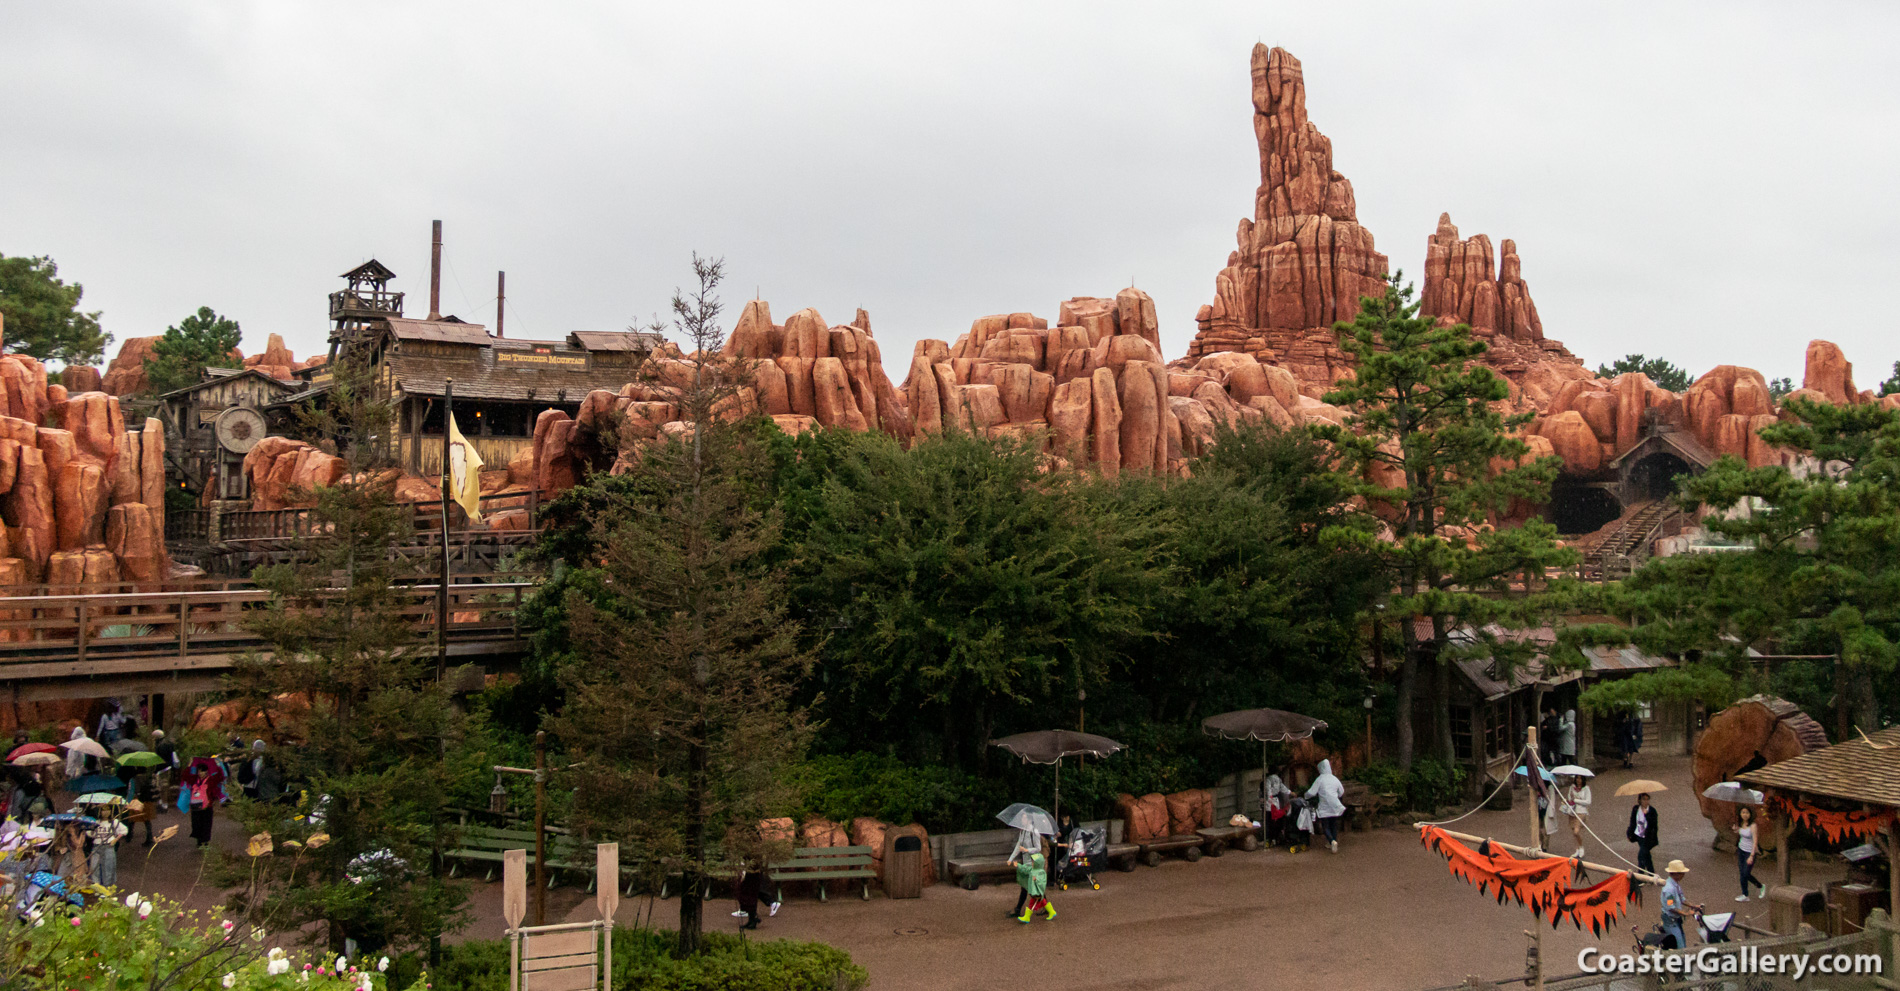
[1303, 261]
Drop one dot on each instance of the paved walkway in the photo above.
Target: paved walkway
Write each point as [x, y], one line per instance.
[1381, 914]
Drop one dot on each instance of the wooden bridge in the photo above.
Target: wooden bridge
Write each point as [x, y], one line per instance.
[237, 542]
[93, 641]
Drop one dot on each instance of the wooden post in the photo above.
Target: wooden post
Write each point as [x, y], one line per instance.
[541, 827]
[442, 596]
[1533, 766]
[1784, 854]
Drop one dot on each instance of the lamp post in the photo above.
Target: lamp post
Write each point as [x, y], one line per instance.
[1371, 700]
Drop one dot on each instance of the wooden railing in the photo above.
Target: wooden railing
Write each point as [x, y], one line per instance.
[182, 624]
[299, 524]
[187, 524]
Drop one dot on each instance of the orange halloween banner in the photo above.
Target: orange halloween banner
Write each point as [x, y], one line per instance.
[1837, 825]
[1542, 884]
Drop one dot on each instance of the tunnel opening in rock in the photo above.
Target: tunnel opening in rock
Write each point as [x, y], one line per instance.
[1655, 476]
[1577, 507]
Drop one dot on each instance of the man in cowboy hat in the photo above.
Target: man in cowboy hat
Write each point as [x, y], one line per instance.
[1674, 904]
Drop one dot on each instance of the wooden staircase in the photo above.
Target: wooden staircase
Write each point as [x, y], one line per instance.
[1617, 553]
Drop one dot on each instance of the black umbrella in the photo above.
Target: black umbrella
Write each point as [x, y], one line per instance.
[1049, 746]
[1264, 725]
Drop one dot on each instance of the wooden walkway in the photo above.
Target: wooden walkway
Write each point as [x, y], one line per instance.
[87, 643]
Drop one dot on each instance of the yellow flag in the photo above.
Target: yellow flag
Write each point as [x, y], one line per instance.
[465, 473]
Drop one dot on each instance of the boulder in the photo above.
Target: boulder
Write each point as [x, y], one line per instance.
[806, 336]
[81, 378]
[1599, 411]
[28, 509]
[1827, 372]
[1107, 412]
[79, 503]
[1571, 438]
[833, 402]
[152, 468]
[125, 375]
[1141, 417]
[136, 537]
[1069, 418]
[794, 424]
[1144, 819]
[985, 405]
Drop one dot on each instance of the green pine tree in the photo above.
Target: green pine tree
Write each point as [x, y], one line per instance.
[1431, 455]
[42, 314]
[181, 354]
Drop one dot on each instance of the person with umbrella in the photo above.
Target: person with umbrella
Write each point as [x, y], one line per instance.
[1031, 825]
[75, 757]
[204, 788]
[105, 835]
[1644, 832]
[1573, 799]
[167, 769]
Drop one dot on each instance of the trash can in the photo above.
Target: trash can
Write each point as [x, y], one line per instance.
[1790, 905]
[903, 867]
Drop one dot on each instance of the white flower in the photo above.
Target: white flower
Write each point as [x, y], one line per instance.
[365, 986]
[279, 962]
[341, 963]
[145, 910]
[229, 925]
[382, 966]
[132, 900]
[230, 980]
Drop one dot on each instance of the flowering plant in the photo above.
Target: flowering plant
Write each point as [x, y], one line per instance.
[149, 942]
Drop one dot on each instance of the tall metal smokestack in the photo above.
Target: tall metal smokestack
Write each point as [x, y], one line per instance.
[435, 274]
[501, 301]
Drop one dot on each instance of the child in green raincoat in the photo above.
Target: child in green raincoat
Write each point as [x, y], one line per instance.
[1033, 875]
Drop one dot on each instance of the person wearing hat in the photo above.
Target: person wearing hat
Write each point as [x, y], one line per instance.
[1674, 905]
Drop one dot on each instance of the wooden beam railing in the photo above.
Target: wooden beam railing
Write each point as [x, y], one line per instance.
[213, 621]
[301, 524]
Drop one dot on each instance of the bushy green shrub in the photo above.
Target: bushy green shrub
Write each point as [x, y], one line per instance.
[944, 799]
[643, 958]
[1430, 784]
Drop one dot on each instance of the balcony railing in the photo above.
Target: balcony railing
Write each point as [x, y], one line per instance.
[347, 303]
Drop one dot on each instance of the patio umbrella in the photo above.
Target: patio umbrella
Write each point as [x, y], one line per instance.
[1573, 770]
[1264, 725]
[32, 748]
[38, 759]
[1639, 786]
[86, 745]
[1732, 791]
[140, 758]
[1049, 746]
[127, 746]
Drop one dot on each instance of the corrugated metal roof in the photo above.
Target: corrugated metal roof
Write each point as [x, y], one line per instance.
[614, 340]
[439, 330]
[1860, 770]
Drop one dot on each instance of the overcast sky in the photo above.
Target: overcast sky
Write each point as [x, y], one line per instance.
[1710, 183]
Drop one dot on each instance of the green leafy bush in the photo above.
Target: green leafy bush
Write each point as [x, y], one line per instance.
[944, 799]
[643, 958]
[1429, 785]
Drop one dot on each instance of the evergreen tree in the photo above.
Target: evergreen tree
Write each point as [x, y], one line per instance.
[42, 314]
[1662, 372]
[1818, 572]
[380, 729]
[1778, 389]
[679, 705]
[1434, 459]
[187, 348]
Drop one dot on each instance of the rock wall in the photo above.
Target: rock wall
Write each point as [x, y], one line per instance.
[82, 498]
[125, 375]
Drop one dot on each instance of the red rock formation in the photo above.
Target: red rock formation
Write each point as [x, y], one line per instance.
[81, 378]
[1829, 373]
[125, 376]
[275, 360]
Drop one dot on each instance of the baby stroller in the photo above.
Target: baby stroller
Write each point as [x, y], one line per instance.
[1295, 829]
[1087, 851]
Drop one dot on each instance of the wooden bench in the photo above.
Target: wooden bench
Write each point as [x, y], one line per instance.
[824, 863]
[487, 844]
[1190, 846]
[1219, 838]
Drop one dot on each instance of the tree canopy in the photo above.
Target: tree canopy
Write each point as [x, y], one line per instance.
[1428, 451]
[1661, 371]
[42, 313]
[1815, 573]
[181, 354]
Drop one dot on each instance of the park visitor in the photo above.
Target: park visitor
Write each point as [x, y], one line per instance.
[1033, 875]
[1330, 792]
[1642, 832]
[1575, 801]
[1674, 905]
[203, 792]
[1567, 737]
[1747, 841]
[752, 881]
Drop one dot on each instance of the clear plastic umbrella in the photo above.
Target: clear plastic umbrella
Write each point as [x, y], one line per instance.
[1028, 819]
[1732, 791]
[1573, 770]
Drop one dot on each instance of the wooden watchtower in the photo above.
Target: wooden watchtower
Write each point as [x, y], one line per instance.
[361, 308]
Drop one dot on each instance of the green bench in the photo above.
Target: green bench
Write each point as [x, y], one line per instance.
[487, 844]
[824, 863]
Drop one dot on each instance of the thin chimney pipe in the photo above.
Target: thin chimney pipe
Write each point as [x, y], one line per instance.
[501, 301]
[435, 273]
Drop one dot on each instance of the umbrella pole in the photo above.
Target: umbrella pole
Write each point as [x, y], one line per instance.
[1058, 815]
